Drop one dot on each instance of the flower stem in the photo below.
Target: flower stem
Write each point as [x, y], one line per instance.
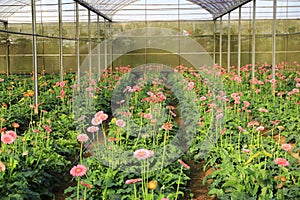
[78, 186]
[178, 183]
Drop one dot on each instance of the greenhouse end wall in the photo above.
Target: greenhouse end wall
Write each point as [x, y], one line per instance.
[287, 43]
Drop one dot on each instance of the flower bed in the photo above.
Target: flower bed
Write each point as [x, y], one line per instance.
[131, 135]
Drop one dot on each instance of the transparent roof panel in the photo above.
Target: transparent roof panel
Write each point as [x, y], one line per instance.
[219, 7]
[19, 11]
[161, 10]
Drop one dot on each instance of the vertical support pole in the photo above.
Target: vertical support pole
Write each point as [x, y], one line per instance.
[7, 50]
[228, 43]
[90, 43]
[221, 35]
[105, 45]
[77, 43]
[178, 32]
[111, 43]
[61, 73]
[253, 38]
[274, 38]
[98, 46]
[239, 41]
[146, 25]
[215, 28]
[34, 56]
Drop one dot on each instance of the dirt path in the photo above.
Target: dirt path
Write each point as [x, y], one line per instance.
[195, 184]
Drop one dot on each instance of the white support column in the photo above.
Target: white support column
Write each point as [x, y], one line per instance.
[90, 43]
[274, 39]
[98, 46]
[34, 56]
[220, 45]
[228, 43]
[253, 38]
[77, 43]
[61, 73]
[239, 41]
[215, 28]
[105, 45]
[7, 57]
[111, 43]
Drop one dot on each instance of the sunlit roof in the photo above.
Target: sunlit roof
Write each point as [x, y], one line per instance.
[19, 11]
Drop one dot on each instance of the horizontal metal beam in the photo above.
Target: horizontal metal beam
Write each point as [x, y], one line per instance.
[215, 17]
[3, 21]
[93, 9]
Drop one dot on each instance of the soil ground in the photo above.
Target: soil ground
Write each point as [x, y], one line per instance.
[197, 175]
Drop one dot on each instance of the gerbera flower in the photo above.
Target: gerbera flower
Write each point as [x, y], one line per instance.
[282, 162]
[241, 129]
[142, 154]
[15, 125]
[7, 139]
[184, 164]
[82, 137]
[148, 116]
[167, 126]
[286, 147]
[152, 185]
[130, 181]
[92, 129]
[96, 121]
[78, 171]
[120, 123]
[260, 128]
[263, 110]
[12, 133]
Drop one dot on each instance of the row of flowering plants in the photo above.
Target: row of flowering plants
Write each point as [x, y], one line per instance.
[136, 153]
[257, 154]
[35, 149]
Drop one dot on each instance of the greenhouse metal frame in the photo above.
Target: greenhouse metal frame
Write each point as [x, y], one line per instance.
[106, 10]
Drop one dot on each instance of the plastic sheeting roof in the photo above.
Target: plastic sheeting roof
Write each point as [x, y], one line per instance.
[219, 7]
[19, 11]
[9, 7]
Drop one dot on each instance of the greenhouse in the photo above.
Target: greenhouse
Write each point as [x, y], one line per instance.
[149, 99]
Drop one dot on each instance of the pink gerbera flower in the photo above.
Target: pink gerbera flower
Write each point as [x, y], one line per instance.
[7, 139]
[219, 116]
[103, 117]
[190, 85]
[142, 154]
[167, 126]
[92, 129]
[96, 121]
[253, 123]
[282, 162]
[82, 137]
[130, 181]
[245, 150]
[241, 129]
[78, 171]
[148, 115]
[12, 133]
[184, 164]
[203, 98]
[260, 128]
[263, 110]
[286, 147]
[120, 123]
